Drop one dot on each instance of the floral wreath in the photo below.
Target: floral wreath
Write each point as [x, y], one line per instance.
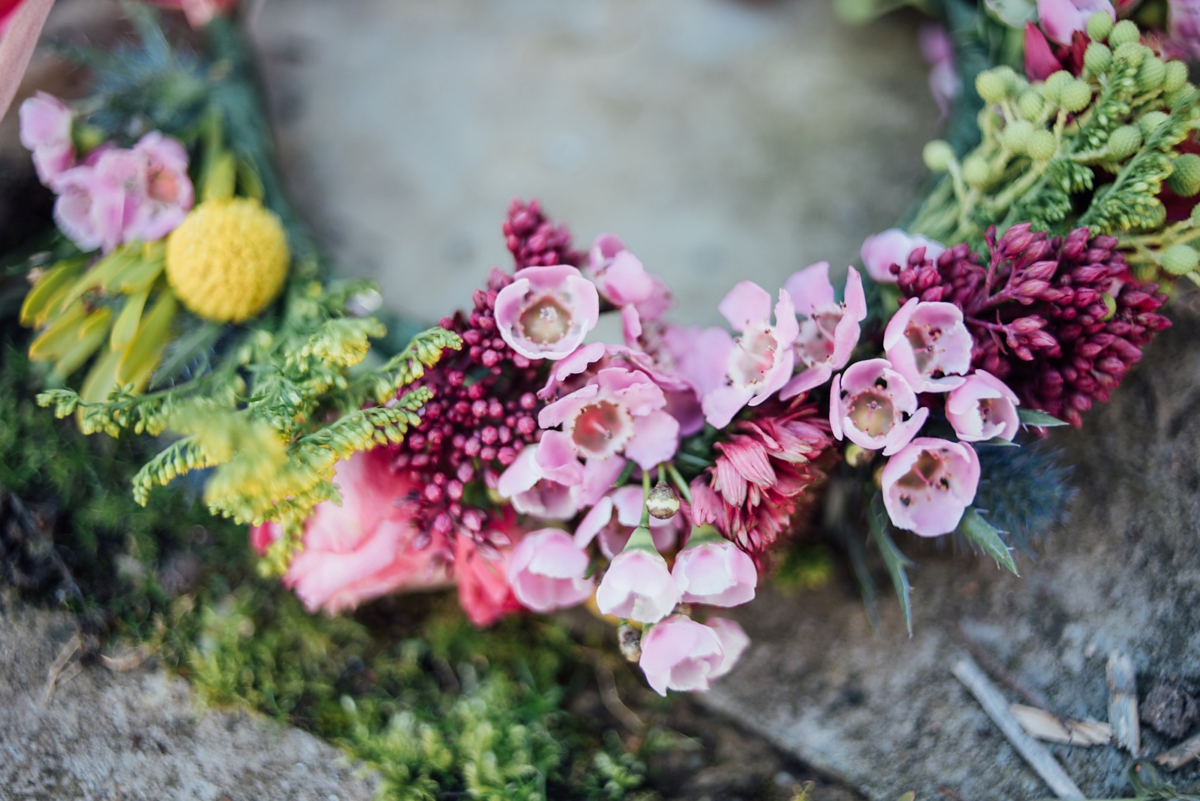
[657, 477]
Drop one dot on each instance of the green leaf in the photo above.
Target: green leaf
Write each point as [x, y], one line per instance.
[626, 472]
[986, 536]
[877, 521]
[1029, 417]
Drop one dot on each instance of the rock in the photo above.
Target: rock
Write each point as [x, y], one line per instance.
[1170, 707]
[882, 710]
[140, 734]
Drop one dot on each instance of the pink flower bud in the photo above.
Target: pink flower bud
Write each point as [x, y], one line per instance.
[733, 642]
[716, 572]
[681, 654]
[983, 408]
[929, 484]
[547, 571]
[638, 585]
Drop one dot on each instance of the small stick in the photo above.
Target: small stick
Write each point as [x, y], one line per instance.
[993, 703]
[1182, 754]
[613, 703]
[1123, 702]
[1041, 725]
[55, 671]
[992, 665]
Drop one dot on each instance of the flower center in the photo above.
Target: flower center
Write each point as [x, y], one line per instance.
[922, 340]
[162, 185]
[752, 357]
[928, 472]
[545, 322]
[987, 410]
[872, 412]
[601, 429]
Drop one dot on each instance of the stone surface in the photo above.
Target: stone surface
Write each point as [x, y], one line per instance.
[722, 140]
[140, 735]
[883, 711]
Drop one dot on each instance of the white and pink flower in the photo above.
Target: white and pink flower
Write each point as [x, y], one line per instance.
[829, 330]
[759, 362]
[526, 485]
[622, 280]
[681, 654]
[638, 585]
[983, 408]
[46, 131]
[547, 571]
[617, 411]
[929, 484]
[547, 311]
[874, 407]
[929, 344]
[893, 246]
[712, 570]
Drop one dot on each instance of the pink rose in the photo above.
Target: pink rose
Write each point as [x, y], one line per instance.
[872, 405]
[638, 585]
[893, 246]
[829, 330]
[547, 311]
[681, 654]
[983, 408]
[1060, 19]
[929, 344]
[714, 571]
[483, 589]
[547, 571]
[759, 362]
[929, 484]
[46, 131]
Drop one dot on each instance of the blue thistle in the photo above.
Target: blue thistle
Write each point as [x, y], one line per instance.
[1023, 491]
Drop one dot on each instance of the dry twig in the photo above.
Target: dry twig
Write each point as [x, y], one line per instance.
[612, 700]
[992, 665]
[993, 703]
[1123, 703]
[1042, 725]
[56, 674]
[1182, 754]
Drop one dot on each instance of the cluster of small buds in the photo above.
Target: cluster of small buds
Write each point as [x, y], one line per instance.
[534, 240]
[1059, 320]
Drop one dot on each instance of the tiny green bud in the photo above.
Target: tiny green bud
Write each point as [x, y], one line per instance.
[1124, 142]
[1157, 215]
[1130, 53]
[1176, 76]
[1016, 135]
[1055, 83]
[991, 86]
[1151, 74]
[1030, 104]
[988, 120]
[1075, 96]
[1180, 259]
[1110, 303]
[1042, 146]
[1009, 75]
[1150, 121]
[1174, 97]
[1185, 176]
[662, 503]
[1124, 32]
[1098, 57]
[1099, 26]
[1195, 216]
[976, 171]
[938, 155]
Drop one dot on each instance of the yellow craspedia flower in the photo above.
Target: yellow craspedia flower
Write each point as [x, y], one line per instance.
[228, 259]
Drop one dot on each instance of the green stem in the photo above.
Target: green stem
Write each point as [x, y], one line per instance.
[679, 483]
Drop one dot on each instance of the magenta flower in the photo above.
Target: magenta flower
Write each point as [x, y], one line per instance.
[983, 408]
[526, 485]
[872, 405]
[759, 362]
[829, 330]
[929, 484]
[46, 131]
[734, 643]
[681, 654]
[547, 311]
[617, 411]
[547, 570]
[165, 194]
[638, 585]
[893, 246]
[1060, 19]
[712, 570]
[929, 344]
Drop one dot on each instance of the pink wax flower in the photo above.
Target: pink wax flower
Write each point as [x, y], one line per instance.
[712, 570]
[1060, 19]
[983, 408]
[681, 654]
[531, 492]
[893, 246]
[362, 548]
[759, 362]
[638, 585]
[165, 194]
[874, 407]
[612, 520]
[547, 571]
[46, 131]
[624, 282]
[97, 200]
[483, 589]
[547, 311]
[929, 344]
[829, 330]
[929, 484]
[617, 411]
[734, 643]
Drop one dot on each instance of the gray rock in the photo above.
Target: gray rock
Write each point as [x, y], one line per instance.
[140, 734]
[883, 712]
